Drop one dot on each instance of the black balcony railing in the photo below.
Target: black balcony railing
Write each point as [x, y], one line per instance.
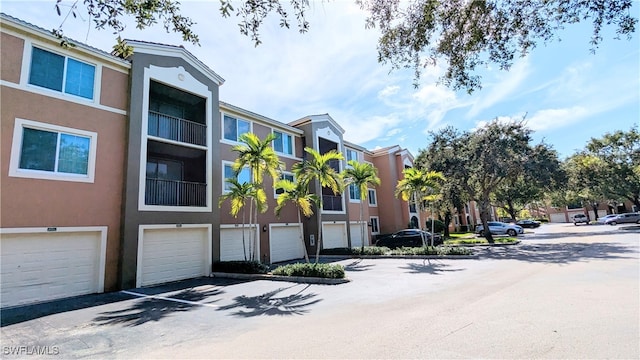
[175, 193]
[173, 128]
[331, 203]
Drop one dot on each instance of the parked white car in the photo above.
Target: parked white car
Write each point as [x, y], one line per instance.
[500, 228]
[603, 220]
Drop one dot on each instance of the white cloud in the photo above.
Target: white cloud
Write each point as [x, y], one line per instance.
[509, 82]
[388, 91]
[549, 119]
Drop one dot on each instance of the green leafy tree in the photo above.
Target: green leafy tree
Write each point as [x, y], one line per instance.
[419, 186]
[259, 156]
[298, 194]
[613, 162]
[361, 175]
[542, 173]
[482, 160]
[316, 168]
[463, 34]
[238, 195]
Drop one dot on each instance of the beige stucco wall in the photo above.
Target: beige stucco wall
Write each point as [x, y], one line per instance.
[11, 57]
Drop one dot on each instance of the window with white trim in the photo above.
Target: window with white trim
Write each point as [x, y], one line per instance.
[352, 155]
[233, 127]
[244, 176]
[284, 176]
[375, 224]
[373, 201]
[46, 151]
[354, 193]
[283, 143]
[61, 73]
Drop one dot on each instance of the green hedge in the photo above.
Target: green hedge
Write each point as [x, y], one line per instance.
[368, 250]
[438, 226]
[431, 250]
[240, 267]
[328, 271]
[501, 240]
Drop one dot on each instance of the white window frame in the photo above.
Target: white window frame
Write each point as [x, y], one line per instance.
[96, 73]
[377, 223]
[353, 151]
[225, 164]
[237, 118]
[374, 197]
[291, 140]
[275, 195]
[349, 191]
[16, 150]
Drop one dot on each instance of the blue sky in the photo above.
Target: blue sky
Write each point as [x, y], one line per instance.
[568, 94]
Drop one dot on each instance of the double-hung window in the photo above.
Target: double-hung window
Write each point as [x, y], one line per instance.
[375, 225]
[244, 176]
[233, 128]
[61, 73]
[354, 192]
[53, 152]
[373, 201]
[283, 143]
[352, 155]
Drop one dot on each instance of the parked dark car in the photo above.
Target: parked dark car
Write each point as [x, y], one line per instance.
[408, 238]
[531, 224]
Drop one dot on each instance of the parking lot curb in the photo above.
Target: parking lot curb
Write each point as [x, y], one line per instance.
[431, 257]
[298, 279]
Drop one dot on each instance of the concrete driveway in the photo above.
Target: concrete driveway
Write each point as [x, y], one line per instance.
[564, 292]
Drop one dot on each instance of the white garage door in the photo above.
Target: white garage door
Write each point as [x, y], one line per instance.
[356, 234]
[38, 267]
[231, 246]
[285, 243]
[334, 236]
[171, 254]
[557, 218]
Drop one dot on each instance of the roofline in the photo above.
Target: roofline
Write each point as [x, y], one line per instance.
[153, 48]
[9, 21]
[314, 118]
[356, 146]
[274, 123]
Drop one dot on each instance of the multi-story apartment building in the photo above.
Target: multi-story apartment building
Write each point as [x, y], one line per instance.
[112, 170]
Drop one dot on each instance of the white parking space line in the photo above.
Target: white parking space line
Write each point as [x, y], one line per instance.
[167, 299]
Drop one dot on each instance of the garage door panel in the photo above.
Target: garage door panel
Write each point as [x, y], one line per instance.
[356, 235]
[45, 266]
[231, 247]
[172, 254]
[285, 243]
[334, 236]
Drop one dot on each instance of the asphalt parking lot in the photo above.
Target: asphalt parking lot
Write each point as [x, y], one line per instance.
[572, 275]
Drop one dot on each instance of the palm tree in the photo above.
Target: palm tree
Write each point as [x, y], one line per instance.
[362, 175]
[238, 194]
[298, 194]
[317, 168]
[419, 186]
[259, 156]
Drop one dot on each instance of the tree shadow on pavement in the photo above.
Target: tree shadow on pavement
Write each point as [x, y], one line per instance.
[271, 304]
[558, 253]
[428, 267]
[357, 265]
[156, 307]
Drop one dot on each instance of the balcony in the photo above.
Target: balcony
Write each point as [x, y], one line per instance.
[177, 129]
[175, 193]
[331, 203]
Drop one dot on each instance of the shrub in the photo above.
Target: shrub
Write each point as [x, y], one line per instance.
[371, 250]
[240, 267]
[431, 250]
[328, 271]
[336, 251]
[438, 226]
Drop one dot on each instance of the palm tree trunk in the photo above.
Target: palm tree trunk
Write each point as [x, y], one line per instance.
[319, 242]
[419, 210]
[304, 245]
[362, 228]
[244, 246]
[251, 233]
